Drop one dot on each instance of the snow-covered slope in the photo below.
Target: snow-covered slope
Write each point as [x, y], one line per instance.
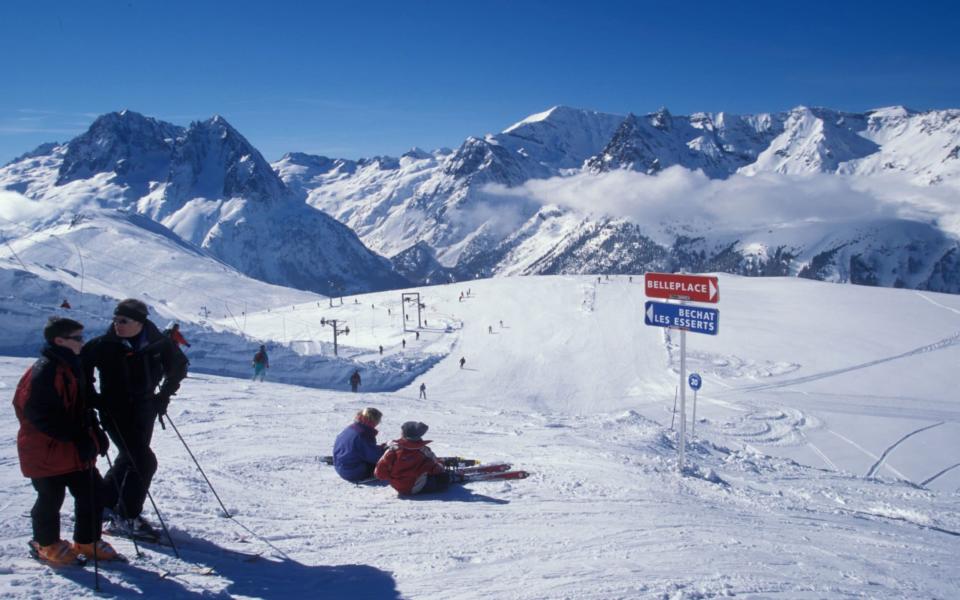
[103, 255]
[822, 463]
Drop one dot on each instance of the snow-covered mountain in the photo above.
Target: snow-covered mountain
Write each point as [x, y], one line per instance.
[444, 200]
[208, 185]
[445, 214]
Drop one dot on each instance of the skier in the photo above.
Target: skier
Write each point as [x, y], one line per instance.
[403, 343]
[418, 335]
[260, 363]
[410, 466]
[489, 328]
[133, 359]
[355, 380]
[174, 334]
[65, 304]
[463, 361]
[381, 349]
[57, 444]
[501, 323]
[356, 452]
[423, 391]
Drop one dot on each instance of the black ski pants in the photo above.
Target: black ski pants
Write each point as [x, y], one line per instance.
[85, 487]
[136, 463]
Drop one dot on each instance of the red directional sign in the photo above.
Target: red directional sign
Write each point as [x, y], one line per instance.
[698, 288]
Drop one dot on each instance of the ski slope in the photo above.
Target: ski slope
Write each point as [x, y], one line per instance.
[824, 462]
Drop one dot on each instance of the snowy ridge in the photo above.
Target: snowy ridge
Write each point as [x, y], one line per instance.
[209, 186]
[479, 211]
[446, 202]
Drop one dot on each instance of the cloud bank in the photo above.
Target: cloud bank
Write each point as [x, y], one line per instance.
[740, 202]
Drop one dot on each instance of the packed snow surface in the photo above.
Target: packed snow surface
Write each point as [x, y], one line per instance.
[824, 463]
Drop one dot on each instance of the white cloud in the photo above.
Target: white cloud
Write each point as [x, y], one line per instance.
[677, 194]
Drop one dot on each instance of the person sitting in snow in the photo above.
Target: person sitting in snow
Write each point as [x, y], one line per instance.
[356, 452]
[410, 466]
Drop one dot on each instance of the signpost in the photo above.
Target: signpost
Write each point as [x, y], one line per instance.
[696, 319]
[695, 382]
[681, 316]
[696, 288]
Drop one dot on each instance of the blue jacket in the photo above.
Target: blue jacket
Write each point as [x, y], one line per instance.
[356, 452]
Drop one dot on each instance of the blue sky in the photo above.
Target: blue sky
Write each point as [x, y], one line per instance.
[352, 79]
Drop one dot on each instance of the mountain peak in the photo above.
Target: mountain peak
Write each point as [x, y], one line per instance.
[125, 142]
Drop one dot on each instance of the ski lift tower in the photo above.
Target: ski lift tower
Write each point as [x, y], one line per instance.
[336, 331]
[338, 288]
[410, 297]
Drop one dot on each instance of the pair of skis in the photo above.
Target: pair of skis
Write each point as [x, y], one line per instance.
[448, 461]
[488, 472]
[469, 468]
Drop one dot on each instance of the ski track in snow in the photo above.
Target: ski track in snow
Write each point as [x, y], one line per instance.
[893, 446]
[938, 345]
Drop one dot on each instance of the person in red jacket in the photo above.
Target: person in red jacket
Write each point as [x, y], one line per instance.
[58, 443]
[410, 466]
[176, 336]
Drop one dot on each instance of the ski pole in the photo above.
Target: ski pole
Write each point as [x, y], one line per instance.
[199, 468]
[143, 482]
[94, 505]
[225, 511]
[136, 546]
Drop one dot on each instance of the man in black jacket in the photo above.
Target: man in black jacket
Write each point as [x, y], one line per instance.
[133, 359]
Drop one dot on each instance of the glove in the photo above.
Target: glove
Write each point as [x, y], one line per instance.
[163, 401]
[86, 447]
[103, 442]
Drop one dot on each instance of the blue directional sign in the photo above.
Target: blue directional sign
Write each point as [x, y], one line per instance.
[695, 381]
[694, 319]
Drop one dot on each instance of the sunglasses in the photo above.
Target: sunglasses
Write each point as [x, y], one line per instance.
[122, 321]
[76, 338]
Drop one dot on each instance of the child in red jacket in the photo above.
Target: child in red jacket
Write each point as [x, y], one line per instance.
[410, 466]
[58, 443]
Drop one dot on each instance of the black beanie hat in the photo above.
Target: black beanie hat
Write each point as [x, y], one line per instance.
[413, 430]
[132, 309]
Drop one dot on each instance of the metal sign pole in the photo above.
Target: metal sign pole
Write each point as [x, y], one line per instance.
[693, 423]
[683, 395]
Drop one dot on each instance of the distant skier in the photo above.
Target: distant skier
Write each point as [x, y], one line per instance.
[260, 363]
[423, 391]
[489, 328]
[381, 350]
[355, 380]
[463, 361]
[403, 343]
[418, 335]
[410, 466]
[356, 452]
[501, 323]
[174, 334]
[65, 304]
